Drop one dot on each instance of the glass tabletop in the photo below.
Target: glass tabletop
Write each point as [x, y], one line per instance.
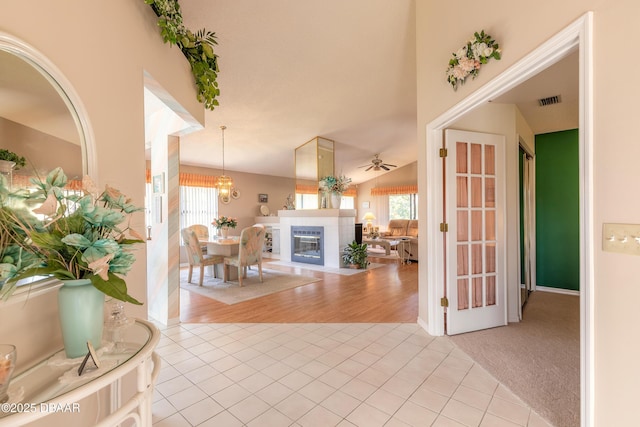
[57, 375]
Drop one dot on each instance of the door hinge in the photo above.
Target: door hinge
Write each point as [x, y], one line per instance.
[444, 227]
[444, 302]
[443, 152]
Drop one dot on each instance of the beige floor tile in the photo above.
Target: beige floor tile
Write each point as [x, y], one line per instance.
[319, 417]
[201, 411]
[271, 418]
[361, 375]
[367, 415]
[415, 415]
[462, 413]
[385, 401]
[317, 391]
[248, 409]
[341, 403]
[295, 406]
[508, 410]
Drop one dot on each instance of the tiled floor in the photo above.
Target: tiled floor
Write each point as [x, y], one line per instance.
[364, 375]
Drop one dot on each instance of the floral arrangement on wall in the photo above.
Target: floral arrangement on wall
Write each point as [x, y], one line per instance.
[470, 57]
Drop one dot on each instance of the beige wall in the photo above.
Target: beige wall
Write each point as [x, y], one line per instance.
[246, 207]
[42, 151]
[614, 158]
[102, 49]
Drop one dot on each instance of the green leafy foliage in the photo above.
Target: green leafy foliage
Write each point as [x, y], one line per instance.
[356, 254]
[12, 157]
[74, 236]
[197, 47]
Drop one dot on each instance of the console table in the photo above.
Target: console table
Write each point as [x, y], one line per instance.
[44, 392]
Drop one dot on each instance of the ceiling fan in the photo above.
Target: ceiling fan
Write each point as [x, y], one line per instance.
[377, 164]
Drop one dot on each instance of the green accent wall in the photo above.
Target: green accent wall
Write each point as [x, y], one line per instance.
[557, 210]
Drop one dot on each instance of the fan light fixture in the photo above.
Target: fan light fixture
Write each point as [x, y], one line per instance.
[224, 182]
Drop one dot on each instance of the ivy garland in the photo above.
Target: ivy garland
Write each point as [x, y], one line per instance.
[197, 48]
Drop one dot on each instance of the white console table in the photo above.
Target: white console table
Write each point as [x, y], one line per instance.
[42, 390]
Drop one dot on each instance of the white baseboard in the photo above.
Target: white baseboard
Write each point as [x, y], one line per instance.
[557, 290]
[424, 325]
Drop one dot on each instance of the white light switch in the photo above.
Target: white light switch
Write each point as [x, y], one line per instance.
[621, 238]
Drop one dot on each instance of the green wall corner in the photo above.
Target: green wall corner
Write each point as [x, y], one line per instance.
[557, 210]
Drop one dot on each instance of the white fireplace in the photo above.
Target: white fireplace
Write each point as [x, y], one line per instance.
[338, 227]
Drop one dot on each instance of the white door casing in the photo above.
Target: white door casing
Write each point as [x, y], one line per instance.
[475, 262]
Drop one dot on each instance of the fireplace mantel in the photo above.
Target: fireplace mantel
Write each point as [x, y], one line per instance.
[304, 213]
[339, 230]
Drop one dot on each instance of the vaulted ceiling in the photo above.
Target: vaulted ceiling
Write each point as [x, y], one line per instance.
[291, 70]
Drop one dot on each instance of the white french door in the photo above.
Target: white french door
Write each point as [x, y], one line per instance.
[475, 262]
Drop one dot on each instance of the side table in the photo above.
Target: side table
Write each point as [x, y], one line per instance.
[51, 383]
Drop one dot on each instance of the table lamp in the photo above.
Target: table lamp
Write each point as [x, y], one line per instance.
[369, 217]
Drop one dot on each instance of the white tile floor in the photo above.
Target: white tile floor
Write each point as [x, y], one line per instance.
[364, 375]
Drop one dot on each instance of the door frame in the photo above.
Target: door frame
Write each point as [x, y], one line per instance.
[578, 35]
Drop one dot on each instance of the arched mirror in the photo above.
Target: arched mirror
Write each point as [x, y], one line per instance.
[41, 117]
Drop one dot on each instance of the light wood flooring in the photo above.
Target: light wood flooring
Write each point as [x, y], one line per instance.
[388, 294]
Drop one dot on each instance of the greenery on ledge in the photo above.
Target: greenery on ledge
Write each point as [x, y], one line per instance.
[197, 47]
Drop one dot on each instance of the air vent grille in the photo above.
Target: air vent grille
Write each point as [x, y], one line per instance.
[549, 101]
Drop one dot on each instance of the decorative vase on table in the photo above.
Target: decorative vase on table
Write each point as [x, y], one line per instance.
[81, 308]
[224, 232]
[336, 198]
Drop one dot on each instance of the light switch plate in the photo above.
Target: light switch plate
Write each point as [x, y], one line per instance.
[621, 238]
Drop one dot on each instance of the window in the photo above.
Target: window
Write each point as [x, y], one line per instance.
[198, 205]
[306, 201]
[403, 206]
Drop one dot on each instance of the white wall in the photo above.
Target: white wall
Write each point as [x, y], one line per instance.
[614, 158]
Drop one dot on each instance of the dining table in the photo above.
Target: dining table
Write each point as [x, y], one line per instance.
[227, 246]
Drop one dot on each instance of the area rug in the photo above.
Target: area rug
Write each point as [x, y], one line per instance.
[324, 269]
[231, 292]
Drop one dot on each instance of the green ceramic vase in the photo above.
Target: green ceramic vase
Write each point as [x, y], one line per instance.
[81, 308]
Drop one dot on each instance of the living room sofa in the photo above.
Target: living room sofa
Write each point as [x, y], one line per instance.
[404, 229]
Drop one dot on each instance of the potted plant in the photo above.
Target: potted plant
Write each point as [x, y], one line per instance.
[84, 241]
[355, 254]
[224, 223]
[10, 161]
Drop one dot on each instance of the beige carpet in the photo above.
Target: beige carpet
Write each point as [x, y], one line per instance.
[231, 292]
[538, 358]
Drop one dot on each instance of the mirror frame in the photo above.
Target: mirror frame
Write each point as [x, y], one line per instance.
[59, 82]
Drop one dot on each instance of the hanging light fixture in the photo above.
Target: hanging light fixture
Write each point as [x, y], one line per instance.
[224, 182]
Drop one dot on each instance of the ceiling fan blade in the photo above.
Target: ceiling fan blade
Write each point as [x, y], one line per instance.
[392, 166]
[384, 167]
[369, 168]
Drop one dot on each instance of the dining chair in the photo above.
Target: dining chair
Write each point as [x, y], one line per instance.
[195, 255]
[249, 252]
[202, 232]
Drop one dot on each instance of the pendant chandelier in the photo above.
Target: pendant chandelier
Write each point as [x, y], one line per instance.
[225, 182]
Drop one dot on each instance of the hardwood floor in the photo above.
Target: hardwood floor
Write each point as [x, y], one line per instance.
[388, 294]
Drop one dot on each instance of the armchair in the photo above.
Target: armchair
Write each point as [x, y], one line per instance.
[249, 252]
[195, 255]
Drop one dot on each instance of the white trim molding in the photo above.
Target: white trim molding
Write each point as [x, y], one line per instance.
[577, 36]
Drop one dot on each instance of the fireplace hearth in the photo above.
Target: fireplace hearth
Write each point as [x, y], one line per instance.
[307, 244]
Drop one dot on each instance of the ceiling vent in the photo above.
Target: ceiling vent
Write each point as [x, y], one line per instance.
[549, 101]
